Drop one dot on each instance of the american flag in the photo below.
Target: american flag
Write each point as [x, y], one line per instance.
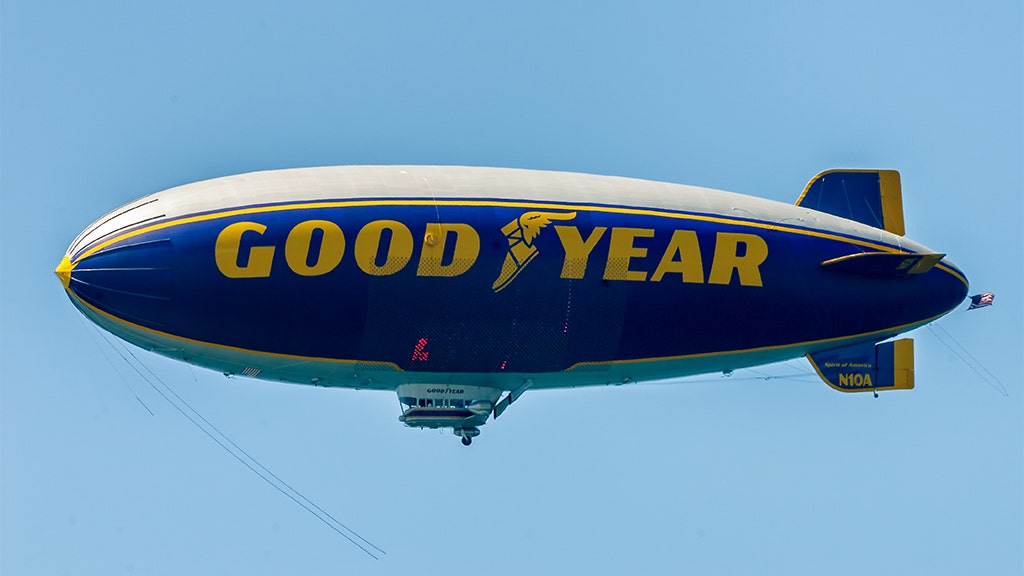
[981, 300]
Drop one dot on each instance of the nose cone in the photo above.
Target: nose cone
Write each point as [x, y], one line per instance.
[129, 279]
[63, 272]
[119, 265]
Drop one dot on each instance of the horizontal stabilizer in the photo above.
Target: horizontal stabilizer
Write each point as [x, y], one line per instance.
[884, 263]
[867, 367]
[872, 197]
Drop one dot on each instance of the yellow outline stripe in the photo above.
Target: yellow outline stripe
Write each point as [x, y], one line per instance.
[504, 204]
[487, 203]
[900, 328]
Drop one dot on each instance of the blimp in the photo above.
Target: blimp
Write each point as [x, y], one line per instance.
[462, 288]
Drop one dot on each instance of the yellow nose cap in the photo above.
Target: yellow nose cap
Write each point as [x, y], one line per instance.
[63, 271]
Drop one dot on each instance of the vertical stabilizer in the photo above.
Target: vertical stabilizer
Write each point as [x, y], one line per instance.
[872, 197]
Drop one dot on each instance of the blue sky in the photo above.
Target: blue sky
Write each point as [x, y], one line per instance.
[103, 102]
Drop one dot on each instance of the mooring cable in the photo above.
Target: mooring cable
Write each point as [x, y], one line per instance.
[255, 466]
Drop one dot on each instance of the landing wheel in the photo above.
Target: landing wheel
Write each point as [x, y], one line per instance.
[466, 440]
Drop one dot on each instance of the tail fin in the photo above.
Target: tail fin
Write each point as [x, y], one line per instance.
[867, 367]
[872, 197]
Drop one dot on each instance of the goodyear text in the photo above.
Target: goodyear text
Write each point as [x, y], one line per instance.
[386, 247]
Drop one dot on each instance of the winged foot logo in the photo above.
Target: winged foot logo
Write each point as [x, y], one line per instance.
[520, 234]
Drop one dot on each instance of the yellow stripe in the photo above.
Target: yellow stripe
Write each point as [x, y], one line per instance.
[955, 274]
[569, 369]
[503, 204]
[483, 203]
